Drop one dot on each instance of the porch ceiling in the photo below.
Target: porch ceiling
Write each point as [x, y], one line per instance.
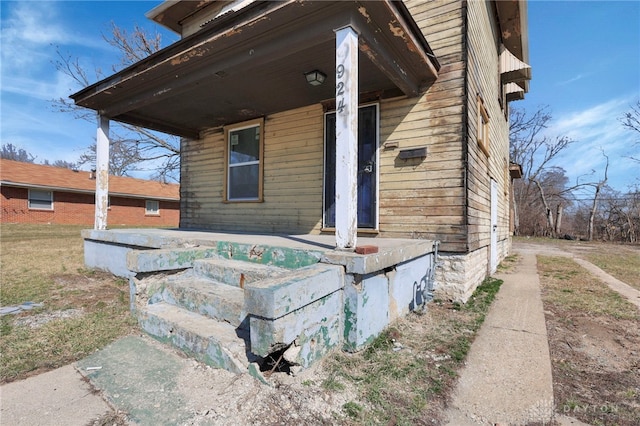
[252, 63]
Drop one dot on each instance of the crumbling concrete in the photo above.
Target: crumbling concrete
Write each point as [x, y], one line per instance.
[236, 304]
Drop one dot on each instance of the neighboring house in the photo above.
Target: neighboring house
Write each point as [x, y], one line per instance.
[34, 193]
[383, 122]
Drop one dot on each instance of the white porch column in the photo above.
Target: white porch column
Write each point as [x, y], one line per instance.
[102, 173]
[346, 138]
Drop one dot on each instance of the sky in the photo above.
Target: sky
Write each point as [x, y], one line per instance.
[585, 57]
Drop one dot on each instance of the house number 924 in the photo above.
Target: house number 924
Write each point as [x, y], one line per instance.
[340, 89]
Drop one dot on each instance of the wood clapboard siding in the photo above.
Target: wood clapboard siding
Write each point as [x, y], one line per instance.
[425, 198]
[484, 81]
[293, 167]
[445, 196]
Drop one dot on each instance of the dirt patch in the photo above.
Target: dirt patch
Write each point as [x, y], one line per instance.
[220, 397]
[596, 367]
[38, 320]
[594, 347]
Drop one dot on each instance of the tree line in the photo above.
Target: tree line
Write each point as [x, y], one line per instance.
[546, 204]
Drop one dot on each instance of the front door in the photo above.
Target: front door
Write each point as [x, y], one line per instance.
[367, 168]
[493, 256]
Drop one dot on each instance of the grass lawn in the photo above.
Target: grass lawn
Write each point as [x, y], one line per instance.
[83, 310]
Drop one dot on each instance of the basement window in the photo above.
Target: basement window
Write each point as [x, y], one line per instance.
[40, 200]
[152, 207]
[483, 127]
[244, 150]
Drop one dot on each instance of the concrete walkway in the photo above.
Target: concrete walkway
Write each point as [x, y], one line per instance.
[507, 376]
[58, 397]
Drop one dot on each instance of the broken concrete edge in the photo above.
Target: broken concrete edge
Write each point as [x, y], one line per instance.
[204, 348]
[364, 264]
[275, 297]
[315, 328]
[152, 260]
[236, 273]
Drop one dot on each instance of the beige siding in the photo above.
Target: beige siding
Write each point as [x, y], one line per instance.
[484, 80]
[293, 165]
[425, 198]
[435, 197]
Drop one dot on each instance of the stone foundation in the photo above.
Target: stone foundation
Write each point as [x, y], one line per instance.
[458, 275]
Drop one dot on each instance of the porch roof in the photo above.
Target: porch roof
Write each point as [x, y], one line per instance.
[252, 62]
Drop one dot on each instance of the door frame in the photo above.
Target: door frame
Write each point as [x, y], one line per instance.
[376, 200]
[493, 228]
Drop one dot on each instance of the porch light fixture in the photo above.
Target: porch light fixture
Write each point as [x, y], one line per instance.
[315, 77]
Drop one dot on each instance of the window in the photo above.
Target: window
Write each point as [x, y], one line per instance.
[42, 200]
[244, 165]
[483, 127]
[152, 207]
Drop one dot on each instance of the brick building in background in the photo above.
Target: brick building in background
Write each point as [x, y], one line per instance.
[34, 193]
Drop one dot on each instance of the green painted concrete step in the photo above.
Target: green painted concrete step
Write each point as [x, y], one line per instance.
[235, 272]
[215, 343]
[204, 296]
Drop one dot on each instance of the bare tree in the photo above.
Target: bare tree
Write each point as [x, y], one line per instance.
[541, 182]
[631, 121]
[62, 164]
[11, 152]
[131, 147]
[598, 187]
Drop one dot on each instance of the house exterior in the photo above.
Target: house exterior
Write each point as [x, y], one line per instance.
[34, 193]
[377, 130]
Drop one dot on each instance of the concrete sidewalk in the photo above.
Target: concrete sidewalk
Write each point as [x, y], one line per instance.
[58, 397]
[507, 376]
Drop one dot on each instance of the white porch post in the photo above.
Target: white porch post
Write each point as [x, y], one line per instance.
[102, 173]
[346, 138]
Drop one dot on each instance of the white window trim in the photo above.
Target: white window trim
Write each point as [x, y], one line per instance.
[40, 208]
[259, 123]
[151, 212]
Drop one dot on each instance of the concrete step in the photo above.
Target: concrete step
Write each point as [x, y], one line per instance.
[235, 272]
[203, 296]
[212, 342]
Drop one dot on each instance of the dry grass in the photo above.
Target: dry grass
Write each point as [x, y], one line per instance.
[623, 263]
[593, 342]
[408, 373]
[83, 310]
[567, 284]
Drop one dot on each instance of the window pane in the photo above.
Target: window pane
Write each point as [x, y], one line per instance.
[244, 145]
[152, 207]
[40, 199]
[40, 204]
[243, 182]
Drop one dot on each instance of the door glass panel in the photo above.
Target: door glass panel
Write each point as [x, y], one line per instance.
[367, 167]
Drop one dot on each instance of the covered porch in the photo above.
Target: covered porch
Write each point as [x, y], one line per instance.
[263, 59]
[234, 299]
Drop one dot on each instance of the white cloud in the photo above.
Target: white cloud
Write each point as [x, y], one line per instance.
[29, 31]
[60, 86]
[597, 129]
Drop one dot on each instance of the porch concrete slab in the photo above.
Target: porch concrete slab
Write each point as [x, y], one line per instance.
[174, 238]
[507, 376]
[391, 253]
[58, 397]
